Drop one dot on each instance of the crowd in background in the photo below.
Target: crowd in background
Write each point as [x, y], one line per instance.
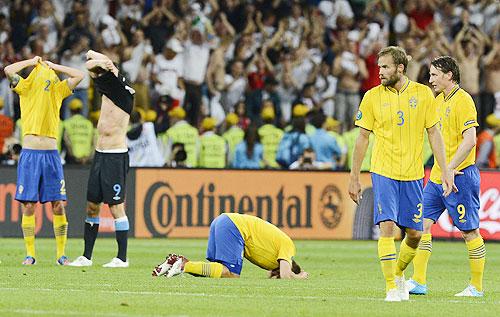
[242, 83]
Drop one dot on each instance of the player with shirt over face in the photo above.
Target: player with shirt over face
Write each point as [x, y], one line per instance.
[233, 236]
[107, 180]
[398, 112]
[40, 175]
[458, 124]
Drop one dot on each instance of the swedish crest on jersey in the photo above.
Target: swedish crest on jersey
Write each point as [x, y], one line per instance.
[413, 102]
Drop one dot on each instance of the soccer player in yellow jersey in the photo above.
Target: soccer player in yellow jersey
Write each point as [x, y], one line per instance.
[398, 112]
[233, 236]
[458, 125]
[40, 173]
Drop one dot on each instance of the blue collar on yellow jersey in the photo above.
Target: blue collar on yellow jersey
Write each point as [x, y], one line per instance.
[452, 93]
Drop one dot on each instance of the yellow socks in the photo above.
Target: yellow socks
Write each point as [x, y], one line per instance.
[28, 226]
[477, 257]
[60, 233]
[422, 259]
[211, 269]
[387, 256]
[406, 255]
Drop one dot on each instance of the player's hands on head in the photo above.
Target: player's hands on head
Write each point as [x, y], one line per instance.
[35, 60]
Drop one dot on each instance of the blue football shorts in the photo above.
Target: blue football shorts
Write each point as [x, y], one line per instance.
[463, 206]
[40, 176]
[225, 244]
[398, 201]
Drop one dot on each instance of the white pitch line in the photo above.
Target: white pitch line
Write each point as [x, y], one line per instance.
[329, 297]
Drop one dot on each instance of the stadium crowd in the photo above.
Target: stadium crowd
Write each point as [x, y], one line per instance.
[246, 84]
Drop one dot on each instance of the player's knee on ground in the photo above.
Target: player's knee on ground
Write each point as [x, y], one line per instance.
[93, 209]
[28, 208]
[58, 207]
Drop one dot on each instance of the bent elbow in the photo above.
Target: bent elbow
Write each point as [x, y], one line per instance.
[8, 71]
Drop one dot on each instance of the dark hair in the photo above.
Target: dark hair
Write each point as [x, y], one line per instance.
[448, 64]
[299, 124]
[398, 55]
[318, 119]
[251, 138]
[135, 117]
[295, 267]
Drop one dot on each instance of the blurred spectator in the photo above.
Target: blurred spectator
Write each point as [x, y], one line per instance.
[325, 146]
[143, 148]
[469, 46]
[213, 148]
[270, 136]
[485, 148]
[332, 126]
[178, 156]
[195, 57]
[249, 152]
[293, 143]
[350, 140]
[233, 135]
[181, 131]
[78, 135]
[168, 70]
[234, 86]
[350, 69]
[135, 60]
[326, 88]
[307, 161]
[75, 57]
[6, 127]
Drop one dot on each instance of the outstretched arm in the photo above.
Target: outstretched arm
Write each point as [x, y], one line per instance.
[75, 75]
[12, 70]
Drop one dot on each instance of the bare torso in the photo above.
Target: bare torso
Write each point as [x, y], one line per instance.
[38, 142]
[470, 82]
[112, 126]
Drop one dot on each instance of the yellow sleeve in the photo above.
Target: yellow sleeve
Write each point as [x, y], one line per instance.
[22, 86]
[62, 89]
[286, 252]
[467, 116]
[364, 117]
[431, 112]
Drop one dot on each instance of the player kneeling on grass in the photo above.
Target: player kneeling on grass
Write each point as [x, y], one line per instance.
[233, 236]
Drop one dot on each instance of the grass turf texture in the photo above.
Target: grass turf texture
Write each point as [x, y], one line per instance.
[345, 280]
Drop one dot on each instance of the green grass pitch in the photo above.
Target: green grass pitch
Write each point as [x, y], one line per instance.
[345, 280]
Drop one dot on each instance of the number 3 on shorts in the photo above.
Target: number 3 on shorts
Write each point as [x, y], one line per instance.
[117, 188]
[461, 212]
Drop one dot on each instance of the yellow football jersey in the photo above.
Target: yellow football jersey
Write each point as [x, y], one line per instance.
[264, 242]
[398, 120]
[41, 95]
[457, 113]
